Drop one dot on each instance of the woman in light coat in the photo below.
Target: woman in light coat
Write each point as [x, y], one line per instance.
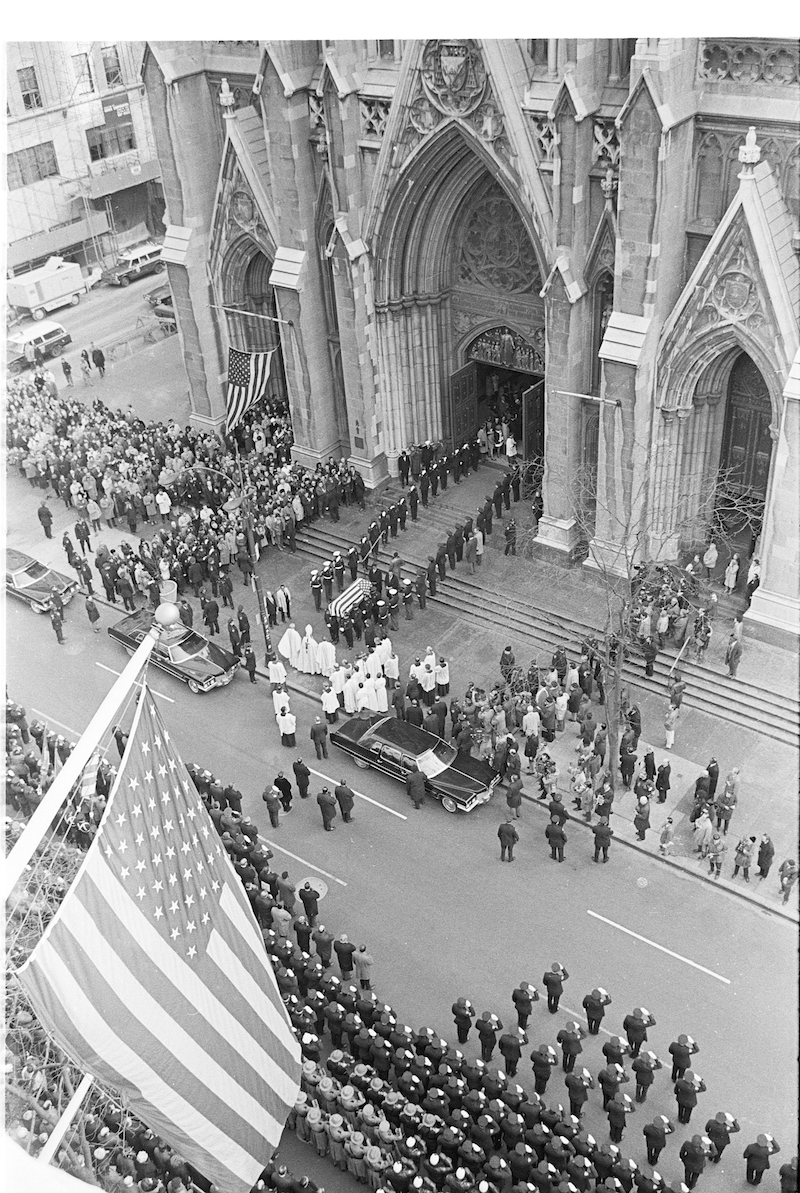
[704, 832]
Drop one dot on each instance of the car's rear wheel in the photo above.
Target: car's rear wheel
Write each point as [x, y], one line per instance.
[362, 763]
[193, 686]
[449, 804]
[73, 302]
[160, 267]
[37, 608]
[56, 350]
[39, 314]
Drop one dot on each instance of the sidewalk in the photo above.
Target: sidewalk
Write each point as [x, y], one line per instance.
[769, 784]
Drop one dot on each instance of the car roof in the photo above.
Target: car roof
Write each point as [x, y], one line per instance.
[141, 248]
[16, 560]
[45, 328]
[405, 736]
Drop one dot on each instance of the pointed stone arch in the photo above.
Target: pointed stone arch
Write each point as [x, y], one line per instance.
[423, 310]
[421, 204]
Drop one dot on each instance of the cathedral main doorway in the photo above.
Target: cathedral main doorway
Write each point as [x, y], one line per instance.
[746, 452]
[503, 378]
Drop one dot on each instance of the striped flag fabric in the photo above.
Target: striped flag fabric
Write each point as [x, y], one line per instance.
[89, 780]
[248, 373]
[153, 976]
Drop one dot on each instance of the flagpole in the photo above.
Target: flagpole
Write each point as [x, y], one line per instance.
[62, 1126]
[165, 615]
[251, 314]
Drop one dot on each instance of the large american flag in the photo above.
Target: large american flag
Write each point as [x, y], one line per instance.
[153, 975]
[248, 373]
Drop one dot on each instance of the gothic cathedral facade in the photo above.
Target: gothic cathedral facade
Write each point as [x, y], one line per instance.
[611, 226]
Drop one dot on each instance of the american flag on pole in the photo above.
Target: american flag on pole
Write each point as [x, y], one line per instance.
[248, 373]
[153, 975]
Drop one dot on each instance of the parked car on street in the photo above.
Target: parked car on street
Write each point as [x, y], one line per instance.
[34, 582]
[396, 748]
[50, 338]
[159, 294]
[180, 651]
[134, 263]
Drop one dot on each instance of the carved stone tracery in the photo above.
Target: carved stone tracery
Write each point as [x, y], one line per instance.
[605, 146]
[496, 250]
[374, 115]
[748, 61]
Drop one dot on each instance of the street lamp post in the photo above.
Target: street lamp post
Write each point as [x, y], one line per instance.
[241, 501]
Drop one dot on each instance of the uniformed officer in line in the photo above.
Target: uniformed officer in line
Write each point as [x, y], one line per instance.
[523, 999]
[594, 1005]
[316, 589]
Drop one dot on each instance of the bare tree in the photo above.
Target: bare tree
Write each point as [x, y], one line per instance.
[633, 572]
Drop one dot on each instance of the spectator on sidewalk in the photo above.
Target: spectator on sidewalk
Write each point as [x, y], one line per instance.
[787, 873]
[766, 854]
[716, 855]
[743, 858]
[93, 613]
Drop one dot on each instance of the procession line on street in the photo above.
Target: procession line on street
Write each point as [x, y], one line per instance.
[660, 947]
[302, 860]
[137, 682]
[360, 795]
[53, 721]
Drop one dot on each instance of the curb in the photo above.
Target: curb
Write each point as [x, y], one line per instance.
[676, 864]
[791, 917]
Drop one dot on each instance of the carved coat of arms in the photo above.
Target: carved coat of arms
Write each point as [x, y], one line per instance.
[453, 75]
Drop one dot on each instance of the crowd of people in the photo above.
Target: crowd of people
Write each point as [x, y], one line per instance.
[403, 1109]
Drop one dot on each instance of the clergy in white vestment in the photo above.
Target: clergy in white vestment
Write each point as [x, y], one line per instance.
[330, 704]
[380, 693]
[430, 658]
[309, 662]
[280, 699]
[339, 677]
[326, 658]
[373, 665]
[287, 723]
[428, 684]
[372, 696]
[276, 671]
[362, 696]
[350, 689]
[383, 650]
[290, 644]
[391, 669]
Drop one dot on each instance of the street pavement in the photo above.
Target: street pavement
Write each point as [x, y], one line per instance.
[769, 782]
[427, 892]
[443, 916]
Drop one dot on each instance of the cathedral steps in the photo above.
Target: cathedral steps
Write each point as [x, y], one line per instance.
[737, 701]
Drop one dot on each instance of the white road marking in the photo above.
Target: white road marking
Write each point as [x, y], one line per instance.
[660, 947]
[138, 682]
[302, 860]
[360, 794]
[52, 720]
